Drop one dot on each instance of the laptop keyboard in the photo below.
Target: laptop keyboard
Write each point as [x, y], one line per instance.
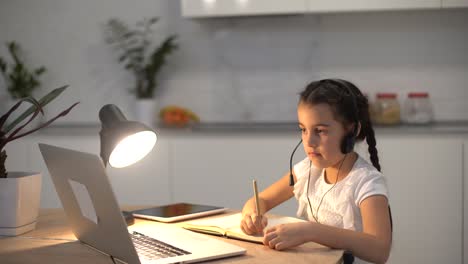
[150, 248]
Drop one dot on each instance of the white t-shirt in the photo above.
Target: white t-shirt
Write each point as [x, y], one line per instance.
[340, 206]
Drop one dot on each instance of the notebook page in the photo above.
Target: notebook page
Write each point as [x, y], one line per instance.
[232, 222]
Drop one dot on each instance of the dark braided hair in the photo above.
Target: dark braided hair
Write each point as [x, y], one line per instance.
[349, 106]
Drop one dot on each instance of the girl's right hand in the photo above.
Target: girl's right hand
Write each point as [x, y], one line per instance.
[253, 224]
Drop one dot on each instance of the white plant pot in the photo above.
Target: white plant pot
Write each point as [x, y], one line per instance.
[145, 110]
[20, 196]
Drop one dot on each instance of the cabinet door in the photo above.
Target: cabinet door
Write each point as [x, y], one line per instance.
[465, 202]
[207, 8]
[369, 5]
[219, 170]
[425, 182]
[454, 3]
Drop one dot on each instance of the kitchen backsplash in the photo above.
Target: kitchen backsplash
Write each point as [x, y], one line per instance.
[246, 69]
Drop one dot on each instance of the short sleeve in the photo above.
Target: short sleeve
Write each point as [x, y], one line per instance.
[373, 183]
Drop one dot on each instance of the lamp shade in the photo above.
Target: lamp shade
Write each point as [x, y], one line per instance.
[123, 142]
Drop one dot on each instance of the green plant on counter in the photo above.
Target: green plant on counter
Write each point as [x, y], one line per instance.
[11, 131]
[20, 81]
[137, 54]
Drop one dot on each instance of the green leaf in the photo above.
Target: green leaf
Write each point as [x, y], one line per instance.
[3, 65]
[153, 20]
[5, 116]
[14, 48]
[123, 57]
[40, 70]
[43, 102]
[128, 34]
[20, 80]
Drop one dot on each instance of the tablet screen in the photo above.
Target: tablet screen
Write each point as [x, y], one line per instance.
[178, 211]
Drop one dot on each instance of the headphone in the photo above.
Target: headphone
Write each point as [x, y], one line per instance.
[349, 140]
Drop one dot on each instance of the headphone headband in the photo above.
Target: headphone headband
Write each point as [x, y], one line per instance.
[354, 97]
[348, 141]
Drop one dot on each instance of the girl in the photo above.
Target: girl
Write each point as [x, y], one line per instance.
[342, 195]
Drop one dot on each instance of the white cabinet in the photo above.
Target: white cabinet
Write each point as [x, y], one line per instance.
[221, 8]
[369, 5]
[424, 176]
[454, 3]
[213, 8]
[219, 170]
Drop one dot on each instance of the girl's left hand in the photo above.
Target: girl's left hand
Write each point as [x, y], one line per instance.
[285, 236]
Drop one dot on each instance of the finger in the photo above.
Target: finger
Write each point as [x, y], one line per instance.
[269, 230]
[280, 246]
[258, 224]
[266, 240]
[245, 228]
[277, 243]
[273, 242]
[249, 226]
[264, 221]
[268, 237]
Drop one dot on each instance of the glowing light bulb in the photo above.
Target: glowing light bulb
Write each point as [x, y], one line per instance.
[132, 148]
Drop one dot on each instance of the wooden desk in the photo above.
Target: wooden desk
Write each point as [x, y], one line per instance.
[53, 242]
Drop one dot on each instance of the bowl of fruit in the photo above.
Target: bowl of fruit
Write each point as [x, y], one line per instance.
[177, 116]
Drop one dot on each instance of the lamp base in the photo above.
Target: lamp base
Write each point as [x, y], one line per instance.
[129, 218]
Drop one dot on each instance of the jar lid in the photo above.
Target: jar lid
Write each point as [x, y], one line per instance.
[386, 95]
[418, 95]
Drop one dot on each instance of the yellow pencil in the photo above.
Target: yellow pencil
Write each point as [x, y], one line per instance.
[257, 203]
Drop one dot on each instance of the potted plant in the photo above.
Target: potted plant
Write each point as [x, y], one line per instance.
[20, 191]
[141, 58]
[20, 81]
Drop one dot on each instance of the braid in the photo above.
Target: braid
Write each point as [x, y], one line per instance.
[370, 138]
[367, 129]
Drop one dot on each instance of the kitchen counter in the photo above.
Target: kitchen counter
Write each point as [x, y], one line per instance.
[446, 127]
[437, 127]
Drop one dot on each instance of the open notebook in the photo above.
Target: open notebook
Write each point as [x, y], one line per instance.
[229, 226]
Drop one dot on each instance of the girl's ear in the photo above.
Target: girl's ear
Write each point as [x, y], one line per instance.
[358, 130]
[355, 130]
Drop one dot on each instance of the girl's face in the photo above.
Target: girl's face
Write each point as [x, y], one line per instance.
[321, 134]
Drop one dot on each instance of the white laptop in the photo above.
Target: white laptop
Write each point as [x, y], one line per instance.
[95, 218]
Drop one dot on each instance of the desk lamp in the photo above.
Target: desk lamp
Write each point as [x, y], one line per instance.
[123, 142]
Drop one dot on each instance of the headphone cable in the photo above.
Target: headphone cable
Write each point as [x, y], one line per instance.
[321, 200]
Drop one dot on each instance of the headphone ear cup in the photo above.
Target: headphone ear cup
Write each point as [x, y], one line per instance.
[347, 145]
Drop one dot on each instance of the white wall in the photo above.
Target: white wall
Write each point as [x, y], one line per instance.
[244, 69]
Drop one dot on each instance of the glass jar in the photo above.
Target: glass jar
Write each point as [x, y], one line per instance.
[417, 109]
[386, 109]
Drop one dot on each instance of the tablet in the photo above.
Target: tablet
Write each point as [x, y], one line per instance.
[177, 212]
